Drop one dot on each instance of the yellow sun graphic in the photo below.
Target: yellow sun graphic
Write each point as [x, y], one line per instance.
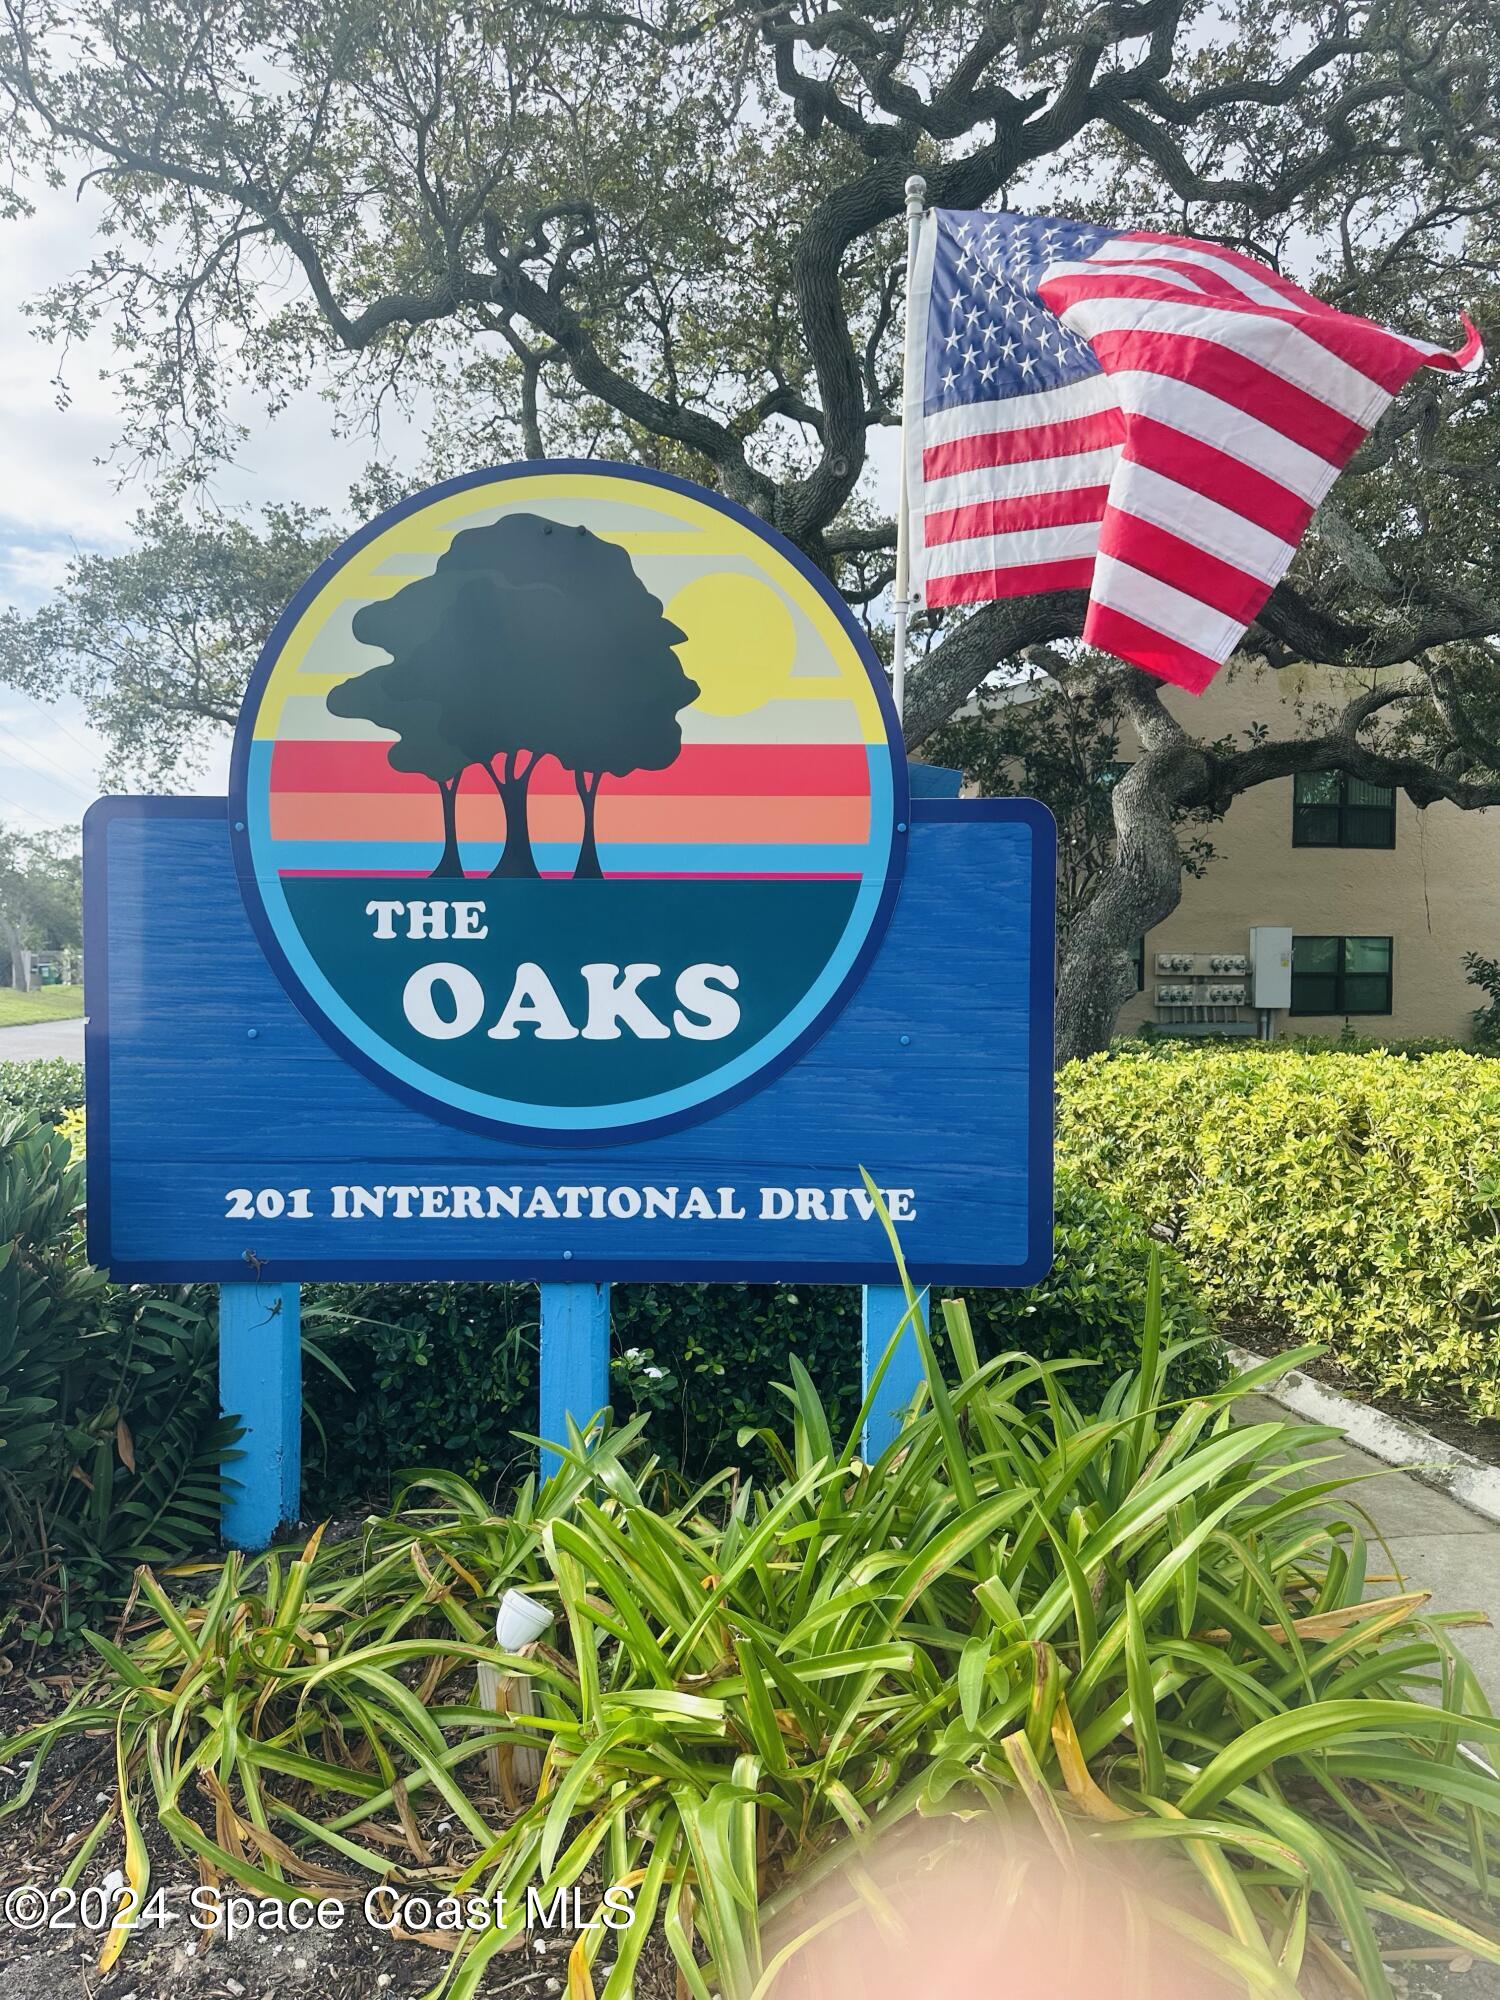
[740, 643]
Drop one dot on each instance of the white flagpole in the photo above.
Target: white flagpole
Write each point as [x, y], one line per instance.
[916, 207]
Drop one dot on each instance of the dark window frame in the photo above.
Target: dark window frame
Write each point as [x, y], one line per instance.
[1341, 975]
[1344, 816]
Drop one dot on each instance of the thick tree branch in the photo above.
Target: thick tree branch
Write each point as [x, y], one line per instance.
[514, 290]
[964, 657]
[1219, 779]
[1296, 629]
[1143, 883]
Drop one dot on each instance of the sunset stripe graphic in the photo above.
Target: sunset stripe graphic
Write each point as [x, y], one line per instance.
[764, 810]
[784, 771]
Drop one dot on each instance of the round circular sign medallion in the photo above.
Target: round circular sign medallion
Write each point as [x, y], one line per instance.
[568, 801]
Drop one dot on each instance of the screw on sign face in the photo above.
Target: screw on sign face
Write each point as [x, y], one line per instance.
[571, 801]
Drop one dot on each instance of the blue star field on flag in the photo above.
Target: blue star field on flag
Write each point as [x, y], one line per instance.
[988, 335]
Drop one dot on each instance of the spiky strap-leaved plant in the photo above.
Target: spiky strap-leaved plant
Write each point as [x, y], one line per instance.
[1152, 1626]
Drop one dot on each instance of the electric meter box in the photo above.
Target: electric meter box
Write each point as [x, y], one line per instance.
[1271, 965]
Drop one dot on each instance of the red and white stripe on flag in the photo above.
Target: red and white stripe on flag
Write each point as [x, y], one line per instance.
[1149, 418]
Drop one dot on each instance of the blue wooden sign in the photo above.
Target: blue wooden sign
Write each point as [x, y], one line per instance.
[571, 918]
[229, 1139]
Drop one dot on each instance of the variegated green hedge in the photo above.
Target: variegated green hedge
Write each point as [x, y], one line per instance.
[1353, 1199]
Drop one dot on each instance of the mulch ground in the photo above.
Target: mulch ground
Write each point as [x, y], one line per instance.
[178, 1961]
[1453, 1426]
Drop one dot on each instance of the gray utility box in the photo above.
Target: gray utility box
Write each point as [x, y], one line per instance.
[1271, 965]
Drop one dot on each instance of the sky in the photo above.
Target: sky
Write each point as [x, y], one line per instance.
[58, 497]
[52, 500]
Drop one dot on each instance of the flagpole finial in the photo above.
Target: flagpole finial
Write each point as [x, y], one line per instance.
[916, 195]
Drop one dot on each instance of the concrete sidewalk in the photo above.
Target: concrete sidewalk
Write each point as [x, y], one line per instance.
[36, 1039]
[1437, 1544]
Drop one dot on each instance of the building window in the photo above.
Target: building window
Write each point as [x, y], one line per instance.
[1331, 809]
[1140, 965]
[1341, 975]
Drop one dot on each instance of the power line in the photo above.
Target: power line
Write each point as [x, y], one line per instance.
[78, 800]
[16, 806]
[56, 719]
[65, 775]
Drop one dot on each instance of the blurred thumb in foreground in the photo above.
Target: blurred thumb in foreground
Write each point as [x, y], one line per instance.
[985, 1910]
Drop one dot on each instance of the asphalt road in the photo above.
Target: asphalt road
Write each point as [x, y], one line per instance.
[42, 1038]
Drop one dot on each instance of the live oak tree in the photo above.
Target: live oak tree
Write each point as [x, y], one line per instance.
[529, 639]
[465, 659]
[583, 667]
[669, 230]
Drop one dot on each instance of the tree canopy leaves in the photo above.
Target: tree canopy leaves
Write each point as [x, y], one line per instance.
[670, 231]
[41, 893]
[158, 643]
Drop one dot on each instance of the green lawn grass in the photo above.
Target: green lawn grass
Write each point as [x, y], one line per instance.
[48, 1003]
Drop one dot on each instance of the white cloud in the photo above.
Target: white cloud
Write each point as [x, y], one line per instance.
[30, 568]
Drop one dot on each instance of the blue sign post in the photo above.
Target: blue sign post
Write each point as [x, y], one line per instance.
[574, 1336]
[260, 1381]
[634, 976]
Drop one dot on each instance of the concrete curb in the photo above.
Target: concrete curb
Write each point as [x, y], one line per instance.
[1459, 1474]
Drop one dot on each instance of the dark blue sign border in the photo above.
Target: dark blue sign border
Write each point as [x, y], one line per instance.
[350, 1050]
[603, 1268]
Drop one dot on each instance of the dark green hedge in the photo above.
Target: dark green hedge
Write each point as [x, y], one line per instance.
[445, 1374]
[49, 1087]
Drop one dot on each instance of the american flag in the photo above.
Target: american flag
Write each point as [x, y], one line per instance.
[1149, 418]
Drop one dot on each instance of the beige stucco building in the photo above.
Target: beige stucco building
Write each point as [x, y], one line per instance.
[1379, 930]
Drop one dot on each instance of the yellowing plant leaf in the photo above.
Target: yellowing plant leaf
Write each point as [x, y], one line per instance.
[137, 1864]
[1070, 1761]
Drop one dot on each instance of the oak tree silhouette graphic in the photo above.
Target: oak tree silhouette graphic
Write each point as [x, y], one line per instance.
[406, 695]
[529, 639]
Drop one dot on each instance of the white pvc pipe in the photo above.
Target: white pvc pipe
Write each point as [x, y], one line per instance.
[515, 1769]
